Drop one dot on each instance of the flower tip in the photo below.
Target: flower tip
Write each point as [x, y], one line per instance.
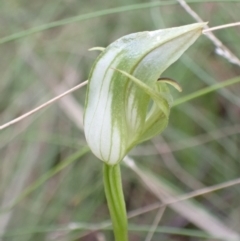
[203, 25]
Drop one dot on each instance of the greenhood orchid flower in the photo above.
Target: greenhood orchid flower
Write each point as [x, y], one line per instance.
[125, 104]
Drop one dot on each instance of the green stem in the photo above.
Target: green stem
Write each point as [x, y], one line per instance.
[115, 200]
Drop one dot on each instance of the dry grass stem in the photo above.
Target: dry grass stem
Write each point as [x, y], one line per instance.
[198, 140]
[43, 105]
[221, 49]
[130, 163]
[221, 27]
[189, 210]
[155, 223]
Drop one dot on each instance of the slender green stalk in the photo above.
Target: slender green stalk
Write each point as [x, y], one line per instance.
[96, 14]
[115, 200]
[81, 17]
[205, 91]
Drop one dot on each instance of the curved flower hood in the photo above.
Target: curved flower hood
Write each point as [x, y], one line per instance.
[125, 103]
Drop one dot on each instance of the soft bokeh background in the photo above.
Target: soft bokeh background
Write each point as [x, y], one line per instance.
[46, 152]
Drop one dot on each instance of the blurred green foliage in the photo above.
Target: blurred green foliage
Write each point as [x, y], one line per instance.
[201, 146]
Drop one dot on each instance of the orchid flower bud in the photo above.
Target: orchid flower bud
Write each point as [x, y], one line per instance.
[125, 104]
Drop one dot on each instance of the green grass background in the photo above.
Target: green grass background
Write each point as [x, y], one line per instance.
[50, 184]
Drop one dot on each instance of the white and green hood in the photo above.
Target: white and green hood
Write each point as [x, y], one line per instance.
[125, 103]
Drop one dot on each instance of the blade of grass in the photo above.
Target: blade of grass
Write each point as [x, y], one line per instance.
[189, 209]
[206, 90]
[43, 105]
[96, 14]
[182, 100]
[47, 176]
[90, 226]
